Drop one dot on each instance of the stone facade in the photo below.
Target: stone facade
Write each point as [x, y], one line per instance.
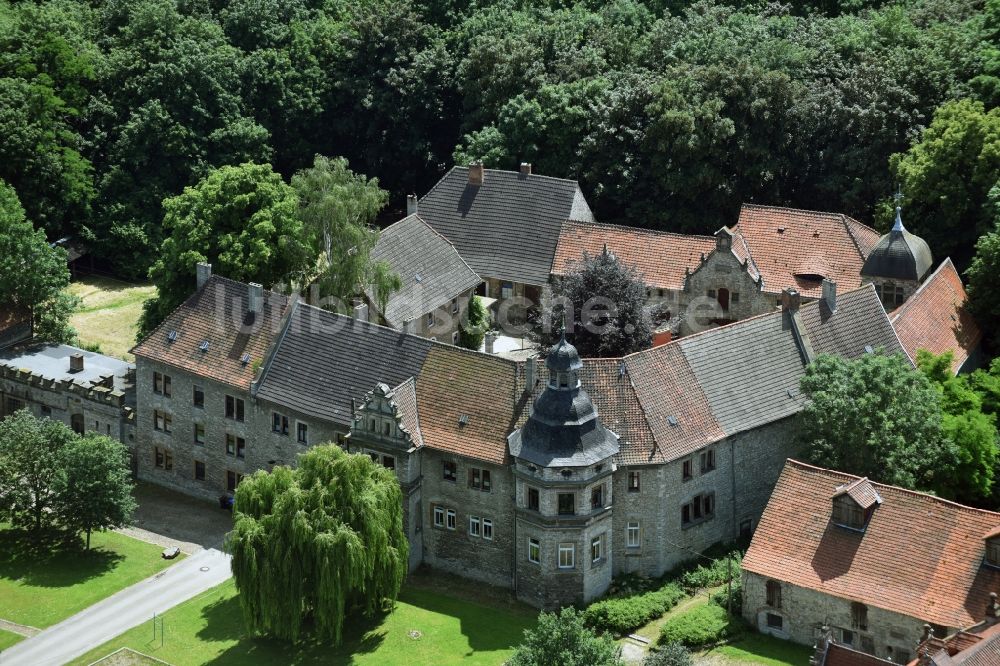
[440, 324]
[797, 614]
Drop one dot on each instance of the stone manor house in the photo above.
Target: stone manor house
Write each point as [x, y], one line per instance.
[543, 477]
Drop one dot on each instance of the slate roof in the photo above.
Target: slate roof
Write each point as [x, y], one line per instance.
[52, 362]
[430, 268]
[323, 360]
[941, 543]
[660, 257]
[508, 227]
[899, 255]
[218, 314]
[860, 322]
[935, 318]
[787, 244]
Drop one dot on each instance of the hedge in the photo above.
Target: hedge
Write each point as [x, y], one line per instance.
[716, 573]
[622, 615]
[703, 625]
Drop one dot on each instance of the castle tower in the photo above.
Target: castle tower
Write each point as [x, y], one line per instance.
[897, 265]
[562, 468]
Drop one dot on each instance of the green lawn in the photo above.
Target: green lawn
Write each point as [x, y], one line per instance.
[40, 586]
[209, 628]
[8, 638]
[757, 648]
[110, 312]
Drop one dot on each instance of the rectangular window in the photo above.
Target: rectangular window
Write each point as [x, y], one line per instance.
[449, 471]
[474, 526]
[199, 470]
[533, 499]
[596, 550]
[632, 534]
[230, 444]
[775, 621]
[847, 636]
[157, 383]
[234, 408]
[475, 478]
[439, 516]
[166, 385]
[388, 462]
[506, 289]
[597, 498]
[774, 594]
[451, 519]
[279, 423]
[430, 320]
[633, 482]
[567, 503]
[711, 293]
[487, 482]
[734, 297]
[708, 505]
[454, 306]
[746, 528]
[159, 457]
[302, 433]
[859, 616]
[686, 514]
[534, 551]
[707, 460]
[232, 480]
[487, 529]
[162, 421]
[241, 447]
[198, 398]
[567, 556]
[199, 434]
[686, 472]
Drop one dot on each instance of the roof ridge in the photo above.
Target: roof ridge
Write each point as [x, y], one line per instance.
[916, 493]
[435, 185]
[801, 210]
[854, 238]
[643, 230]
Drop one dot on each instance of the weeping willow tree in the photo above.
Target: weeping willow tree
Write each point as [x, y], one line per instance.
[312, 544]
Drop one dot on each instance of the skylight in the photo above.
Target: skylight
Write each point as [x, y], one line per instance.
[203, 346]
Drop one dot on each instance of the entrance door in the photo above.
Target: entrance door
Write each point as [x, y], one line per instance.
[724, 299]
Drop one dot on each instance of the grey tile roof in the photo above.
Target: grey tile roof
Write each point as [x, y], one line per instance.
[749, 371]
[52, 362]
[323, 360]
[430, 268]
[859, 322]
[508, 227]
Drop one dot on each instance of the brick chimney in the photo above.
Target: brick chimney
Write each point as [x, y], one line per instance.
[830, 294]
[411, 204]
[476, 173]
[204, 273]
[76, 362]
[360, 311]
[790, 300]
[525, 168]
[255, 298]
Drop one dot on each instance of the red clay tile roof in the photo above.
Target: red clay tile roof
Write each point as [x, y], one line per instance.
[841, 655]
[667, 389]
[217, 314]
[935, 318]
[660, 257]
[979, 646]
[920, 556]
[787, 245]
[861, 491]
[454, 382]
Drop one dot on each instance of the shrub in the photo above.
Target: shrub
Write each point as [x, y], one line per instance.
[719, 597]
[713, 574]
[671, 654]
[622, 615]
[563, 639]
[701, 626]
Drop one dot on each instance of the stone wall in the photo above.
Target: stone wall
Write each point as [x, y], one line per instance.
[703, 300]
[802, 612]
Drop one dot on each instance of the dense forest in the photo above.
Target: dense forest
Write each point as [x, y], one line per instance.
[670, 113]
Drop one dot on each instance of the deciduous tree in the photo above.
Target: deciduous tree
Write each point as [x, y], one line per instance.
[317, 542]
[564, 639]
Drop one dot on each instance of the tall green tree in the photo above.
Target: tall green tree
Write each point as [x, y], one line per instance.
[947, 177]
[337, 207]
[244, 220]
[30, 461]
[564, 639]
[602, 304]
[877, 417]
[474, 324]
[964, 423]
[33, 274]
[317, 543]
[93, 486]
[984, 299]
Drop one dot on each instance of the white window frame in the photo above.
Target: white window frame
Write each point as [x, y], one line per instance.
[566, 549]
[597, 549]
[451, 519]
[534, 547]
[438, 516]
[633, 534]
[487, 529]
[474, 526]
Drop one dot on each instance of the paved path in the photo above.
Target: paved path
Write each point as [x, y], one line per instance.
[122, 611]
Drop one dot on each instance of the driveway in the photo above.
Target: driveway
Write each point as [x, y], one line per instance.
[168, 518]
[122, 611]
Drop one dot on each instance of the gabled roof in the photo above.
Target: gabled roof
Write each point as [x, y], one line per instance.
[430, 268]
[508, 227]
[217, 314]
[859, 325]
[789, 246]
[935, 318]
[920, 556]
[842, 655]
[979, 646]
[662, 258]
[861, 491]
[404, 397]
[323, 360]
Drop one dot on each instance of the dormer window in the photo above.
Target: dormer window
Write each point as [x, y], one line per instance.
[854, 503]
[993, 549]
